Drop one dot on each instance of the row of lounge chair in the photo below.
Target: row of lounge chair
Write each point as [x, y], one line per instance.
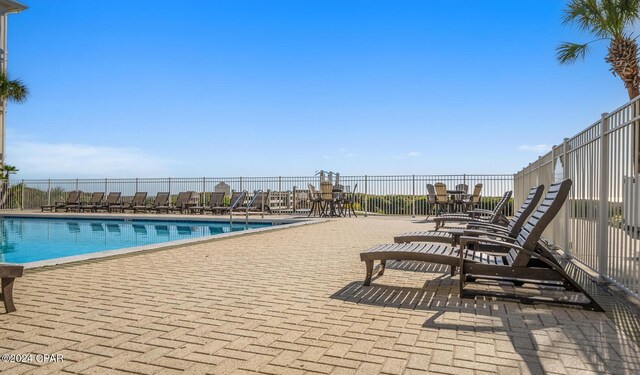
[162, 203]
[492, 248]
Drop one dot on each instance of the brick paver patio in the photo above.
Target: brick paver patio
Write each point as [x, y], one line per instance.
[291, 301]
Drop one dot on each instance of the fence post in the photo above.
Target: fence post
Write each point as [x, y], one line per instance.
[241, 183]
[366, 201]
[49, 193]
[280, 195]
[566, 244]
[414, 195]
[136, 185]
[169, 182]
[77, 185]
[106, 183]
[204, 190]
[23, 191]
[603, 204]
[293, 204]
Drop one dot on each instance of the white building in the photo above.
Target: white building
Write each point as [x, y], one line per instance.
[6, 7]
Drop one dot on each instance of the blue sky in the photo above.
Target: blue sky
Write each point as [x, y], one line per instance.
[260, 88]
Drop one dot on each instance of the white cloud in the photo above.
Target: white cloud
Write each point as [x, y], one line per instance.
[539, 149]
[50, 160]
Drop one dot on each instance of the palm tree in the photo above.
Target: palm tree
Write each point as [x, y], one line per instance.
[5, 171]
[607, 20]
[12, 90]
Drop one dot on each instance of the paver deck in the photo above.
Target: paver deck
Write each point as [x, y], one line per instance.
[292, 302]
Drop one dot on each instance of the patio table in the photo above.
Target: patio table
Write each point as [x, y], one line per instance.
[456, 197]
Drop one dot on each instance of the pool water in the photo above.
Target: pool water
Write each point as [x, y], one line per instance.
[24, 240]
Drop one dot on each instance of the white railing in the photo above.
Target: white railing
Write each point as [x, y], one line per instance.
[600, 223]
[383, 195]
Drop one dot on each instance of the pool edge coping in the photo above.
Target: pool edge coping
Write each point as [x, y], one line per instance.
[163, 245]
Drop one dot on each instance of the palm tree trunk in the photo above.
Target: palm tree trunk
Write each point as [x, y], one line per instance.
[623, 58]
[4, 192]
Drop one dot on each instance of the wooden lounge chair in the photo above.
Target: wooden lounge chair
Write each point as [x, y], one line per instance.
[524, 263]
[259, 199]
[94, 203]
[161, 200]
[113, 199]
[137, 200]
[216, 200]
[8, 273]
[181, 202]
[73, 198]
[487, 216]
[237, 200]
[453, 235]
[183, 205]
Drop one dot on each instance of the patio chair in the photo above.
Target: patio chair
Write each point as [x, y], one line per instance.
[94, 203]
[524, 263]
[349, 202]
[432, 201]
[216, 200]
[452, 236]
[315, 198]
[494, 216]
[473, 200]
[442, 198]
[137, 200]
[73, 198]
[8, 273]
[161, 200]
[459, 197]
[113, 199]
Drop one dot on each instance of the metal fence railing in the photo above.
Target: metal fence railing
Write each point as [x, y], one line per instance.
[383, 195]
[600, 223]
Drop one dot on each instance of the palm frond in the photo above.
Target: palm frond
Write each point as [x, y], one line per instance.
[12, 90]
[568, 53]
[586, 14]
[18, 92]
[603, 18]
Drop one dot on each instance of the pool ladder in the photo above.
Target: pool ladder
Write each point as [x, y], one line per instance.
[246, 214]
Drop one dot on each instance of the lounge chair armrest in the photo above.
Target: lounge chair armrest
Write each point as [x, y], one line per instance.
[464, 240]
[495, 230]
[487, 226]
[11, 270]
[479, 212]
[479, 233]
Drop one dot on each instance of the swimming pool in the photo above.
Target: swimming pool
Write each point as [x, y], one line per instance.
[33, 239]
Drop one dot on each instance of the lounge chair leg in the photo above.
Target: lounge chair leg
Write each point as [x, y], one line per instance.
[7, 294]
[462, 280]
[383, 266]
[369, 265]
[453, 271]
